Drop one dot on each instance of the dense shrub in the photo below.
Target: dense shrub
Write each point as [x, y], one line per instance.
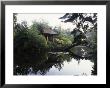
[29, 37]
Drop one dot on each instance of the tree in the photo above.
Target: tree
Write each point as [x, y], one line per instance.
[28, 44]
[85, 23]
[39, 26]
[18, 26]
[14, 19]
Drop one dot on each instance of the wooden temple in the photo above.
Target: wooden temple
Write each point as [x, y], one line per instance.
[49, 34]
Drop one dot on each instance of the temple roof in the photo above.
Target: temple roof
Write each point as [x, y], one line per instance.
[49, 31]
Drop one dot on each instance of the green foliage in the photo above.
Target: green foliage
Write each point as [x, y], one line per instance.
[39, 26]
[28, 45]
[29, 39]
[50, 44]
[64, 39]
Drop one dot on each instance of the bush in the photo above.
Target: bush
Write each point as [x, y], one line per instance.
[29, 38]
[63, 41]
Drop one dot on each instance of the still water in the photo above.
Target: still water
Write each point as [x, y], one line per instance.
[59, 63]
[81, 67]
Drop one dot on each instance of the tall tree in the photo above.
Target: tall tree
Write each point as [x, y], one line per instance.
[84, 22]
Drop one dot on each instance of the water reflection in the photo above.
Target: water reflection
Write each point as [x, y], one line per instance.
[57, 63]
[73, 68]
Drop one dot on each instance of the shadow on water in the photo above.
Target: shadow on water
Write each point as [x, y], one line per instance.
[41, 63]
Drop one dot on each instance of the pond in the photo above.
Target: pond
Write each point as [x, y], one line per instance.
[59, 63]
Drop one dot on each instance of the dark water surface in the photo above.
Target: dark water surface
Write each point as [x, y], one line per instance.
[60, 63]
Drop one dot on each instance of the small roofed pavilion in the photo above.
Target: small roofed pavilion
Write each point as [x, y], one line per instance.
[49, 34]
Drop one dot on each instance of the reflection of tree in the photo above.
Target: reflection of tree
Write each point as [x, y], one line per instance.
[56, 60]
[59, 65]
[42, 66]
[94, 60]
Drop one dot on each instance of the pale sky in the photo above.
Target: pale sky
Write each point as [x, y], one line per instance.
[52, 19]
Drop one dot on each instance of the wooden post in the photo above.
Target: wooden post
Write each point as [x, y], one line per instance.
[47, 38]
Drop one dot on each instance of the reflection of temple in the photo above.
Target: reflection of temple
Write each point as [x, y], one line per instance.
[49, 34]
